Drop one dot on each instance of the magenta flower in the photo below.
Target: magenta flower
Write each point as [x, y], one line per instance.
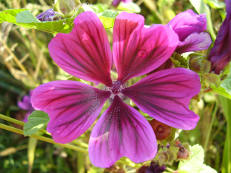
[220, 54]
[116, 2]
[121, 130]
[26, 105]
[190, 28]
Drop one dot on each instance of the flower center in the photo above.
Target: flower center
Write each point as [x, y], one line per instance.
[116, 89]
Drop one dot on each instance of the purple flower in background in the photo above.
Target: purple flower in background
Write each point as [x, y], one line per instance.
[220, 54]
[121, 130]
[116, 2]
[26, 105]
[48, 15]
[190, 28]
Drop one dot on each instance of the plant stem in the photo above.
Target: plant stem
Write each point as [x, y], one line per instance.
[210, 127]
[12, 120]
[41, 138]
[21, 123]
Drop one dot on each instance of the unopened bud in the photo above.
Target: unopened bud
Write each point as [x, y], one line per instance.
[183, 153]
[162, 131]
[199, 64]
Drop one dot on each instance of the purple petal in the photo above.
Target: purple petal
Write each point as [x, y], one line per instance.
[228, 6]
[220, 54]
[48, 15]
[25, 103]
[71, 106]
[85, 52]
[121, 131]
[165, 95]
[188, 22]
[116, 2]
[138, 50]
[27, 116]
[194, 42]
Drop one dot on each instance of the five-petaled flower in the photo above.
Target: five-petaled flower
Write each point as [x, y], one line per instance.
[121, 130]
[220, 54]
[190, 28]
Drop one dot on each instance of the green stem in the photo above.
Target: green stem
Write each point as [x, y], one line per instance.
[41, 138]
[81, 144]
[210, 127]
[21, 123]
[12, 120]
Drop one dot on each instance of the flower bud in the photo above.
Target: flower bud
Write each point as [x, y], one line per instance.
[183, 153]
[161, 130]
[198, 64]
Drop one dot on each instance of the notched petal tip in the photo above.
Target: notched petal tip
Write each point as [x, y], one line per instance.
[85, 52]
[138, 50]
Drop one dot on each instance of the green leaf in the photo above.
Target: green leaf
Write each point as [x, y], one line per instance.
[195, 163]
[23, 17]
[129, 7]
[9, 15]
[221, 91]
[98, 8]
[226, 84]
[32, 143]
[108, 18]
[37, 120]
[201, 7]
[26, 17]
[215, 4]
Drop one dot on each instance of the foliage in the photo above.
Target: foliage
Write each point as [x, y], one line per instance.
[37, 120]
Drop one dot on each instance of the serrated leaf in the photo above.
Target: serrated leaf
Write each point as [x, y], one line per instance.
[129, 7]
[37, 120]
